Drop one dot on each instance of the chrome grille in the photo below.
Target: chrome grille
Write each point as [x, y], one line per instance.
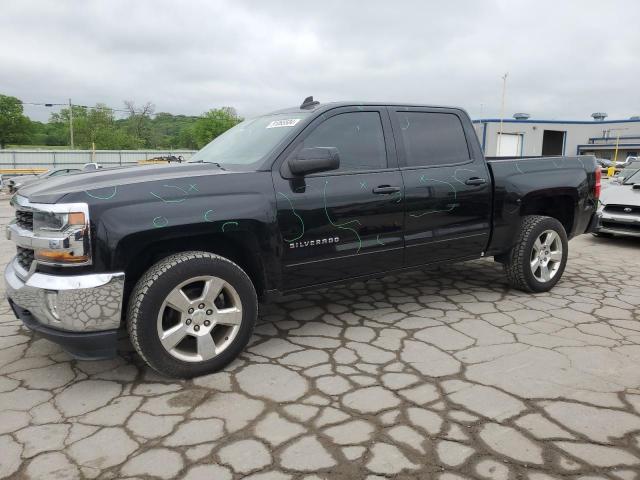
[24, 219]
[628, 209]
[24, 257]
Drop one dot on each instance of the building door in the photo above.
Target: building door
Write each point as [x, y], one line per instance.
[509, 145]
[552, 143]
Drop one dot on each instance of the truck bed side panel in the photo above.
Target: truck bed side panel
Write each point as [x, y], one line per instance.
[517, 181]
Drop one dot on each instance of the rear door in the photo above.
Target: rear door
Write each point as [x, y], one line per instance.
[344, 223]
[447, 186]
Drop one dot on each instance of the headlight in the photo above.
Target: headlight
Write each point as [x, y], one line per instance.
[66, 234]
[45, 223]
[58, 234]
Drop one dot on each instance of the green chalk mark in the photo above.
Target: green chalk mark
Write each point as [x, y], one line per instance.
[228, 223]
[342, 225]
[206, 215]
[455, 174]
[160, 222]
[423, 179]
[293, 210]
[100, 197]
[177, 200]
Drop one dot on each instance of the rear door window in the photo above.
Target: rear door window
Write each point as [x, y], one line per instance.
[432, 138]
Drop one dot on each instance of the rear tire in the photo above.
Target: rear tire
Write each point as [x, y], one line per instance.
[537, 261]
[191, 314]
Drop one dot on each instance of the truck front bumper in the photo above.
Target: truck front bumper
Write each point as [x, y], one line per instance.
[81, 312]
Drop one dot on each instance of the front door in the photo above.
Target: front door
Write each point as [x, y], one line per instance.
[447, 190]
[348, 222]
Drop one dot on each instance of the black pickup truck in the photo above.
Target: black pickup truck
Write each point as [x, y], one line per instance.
[310, 196]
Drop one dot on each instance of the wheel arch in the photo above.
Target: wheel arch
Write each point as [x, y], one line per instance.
[560, 204]
[136, 255]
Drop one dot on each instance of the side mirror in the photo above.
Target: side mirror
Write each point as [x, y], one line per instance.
[313, 160]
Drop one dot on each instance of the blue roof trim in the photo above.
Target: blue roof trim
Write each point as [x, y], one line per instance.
[613, 138]
[621, 146]
[581, 122]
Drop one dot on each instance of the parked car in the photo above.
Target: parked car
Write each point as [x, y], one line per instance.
[626, 172]
[14, 183]
[91, 166]
[302, 198]
[619, 211]
[604, 162]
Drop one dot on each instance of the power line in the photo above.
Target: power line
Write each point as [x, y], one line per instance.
[42, 104]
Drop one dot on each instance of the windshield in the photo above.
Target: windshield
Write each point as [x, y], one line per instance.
[632, 179]
[248, 142]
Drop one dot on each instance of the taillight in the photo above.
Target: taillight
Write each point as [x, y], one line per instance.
[598, 186]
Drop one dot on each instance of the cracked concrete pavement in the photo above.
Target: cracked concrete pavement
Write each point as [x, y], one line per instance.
[442, 374]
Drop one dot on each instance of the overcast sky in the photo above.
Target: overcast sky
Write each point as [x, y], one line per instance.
[566, 59]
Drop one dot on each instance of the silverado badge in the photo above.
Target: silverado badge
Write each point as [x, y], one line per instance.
[314, 243]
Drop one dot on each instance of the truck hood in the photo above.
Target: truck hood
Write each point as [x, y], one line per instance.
[621, 195]
[51, 190]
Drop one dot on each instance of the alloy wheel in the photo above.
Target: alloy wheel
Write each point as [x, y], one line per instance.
[199, 318]
[546, 256]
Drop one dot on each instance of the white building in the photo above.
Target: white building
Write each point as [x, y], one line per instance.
[522, 136]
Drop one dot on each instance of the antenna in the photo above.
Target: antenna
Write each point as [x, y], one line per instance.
[309, 103]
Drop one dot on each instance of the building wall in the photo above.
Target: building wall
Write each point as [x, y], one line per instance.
[577, 134]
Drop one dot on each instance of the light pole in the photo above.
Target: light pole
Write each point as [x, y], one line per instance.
[612, 169]
[70, 116]
[71, 122]
[504, 92]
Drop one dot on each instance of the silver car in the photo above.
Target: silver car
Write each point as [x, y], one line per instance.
[14, 183]
[626, 172]
[619, 210]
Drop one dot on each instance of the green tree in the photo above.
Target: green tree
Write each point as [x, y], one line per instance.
[139, 122]
[213, 123]
[96, 126]
[14, 126]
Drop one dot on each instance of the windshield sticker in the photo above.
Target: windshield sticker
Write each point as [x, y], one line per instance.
[291, 122]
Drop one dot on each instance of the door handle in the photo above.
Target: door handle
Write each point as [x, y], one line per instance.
[475, 181]
[385, 190]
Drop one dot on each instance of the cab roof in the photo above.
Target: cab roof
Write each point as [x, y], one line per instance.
[318, 107]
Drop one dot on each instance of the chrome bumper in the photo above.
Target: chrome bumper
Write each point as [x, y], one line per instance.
[77, 303]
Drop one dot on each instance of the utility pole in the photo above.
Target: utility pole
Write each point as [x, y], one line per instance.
[71, 122]
[504, 91]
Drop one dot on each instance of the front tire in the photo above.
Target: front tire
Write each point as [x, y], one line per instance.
[537, 261]
[191, 314]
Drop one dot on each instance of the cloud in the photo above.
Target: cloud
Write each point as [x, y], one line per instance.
[565, 59]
